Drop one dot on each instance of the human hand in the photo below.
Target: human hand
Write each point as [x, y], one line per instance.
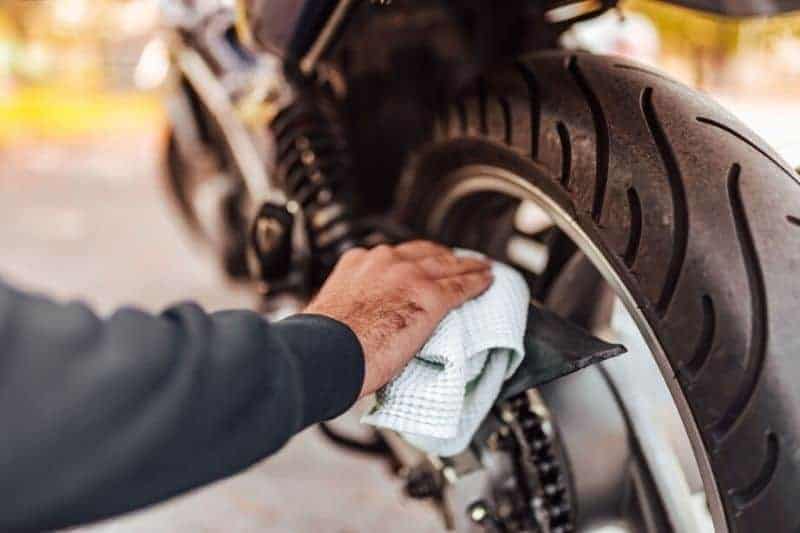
[393, 297]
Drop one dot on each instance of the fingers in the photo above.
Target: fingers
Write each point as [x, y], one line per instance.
[413, 250]
[447, 265]
[438, 261]
[413, 259]
[458, 289]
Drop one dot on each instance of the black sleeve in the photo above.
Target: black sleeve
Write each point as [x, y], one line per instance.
[99, 417]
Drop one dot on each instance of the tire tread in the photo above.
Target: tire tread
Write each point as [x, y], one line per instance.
[572, 126]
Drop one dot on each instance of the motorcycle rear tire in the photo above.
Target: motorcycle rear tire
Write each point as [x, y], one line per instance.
[698, 218]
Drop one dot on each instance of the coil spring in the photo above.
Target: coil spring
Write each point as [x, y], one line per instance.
[314, 169]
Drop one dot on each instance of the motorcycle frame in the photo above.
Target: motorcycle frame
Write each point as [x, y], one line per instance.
[304, 30]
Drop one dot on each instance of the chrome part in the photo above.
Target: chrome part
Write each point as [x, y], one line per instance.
[478, 512]
[222, 100]
[529, 254]
[279, 141]
[240, 91]
[642, 402]
[479, 178]
[572, 11]
[201, 185]
[325, 38]
[299, 31]
[531, 219]
[244, 152]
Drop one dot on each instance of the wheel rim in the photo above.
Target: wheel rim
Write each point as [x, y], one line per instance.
[473, 180]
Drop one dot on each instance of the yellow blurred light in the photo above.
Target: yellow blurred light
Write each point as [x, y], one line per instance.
[56, 113]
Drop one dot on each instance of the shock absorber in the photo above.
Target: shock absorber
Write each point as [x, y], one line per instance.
[315, 171]
[313, 168]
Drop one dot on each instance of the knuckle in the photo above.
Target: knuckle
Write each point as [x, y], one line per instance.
[353, 253]
[383, 251]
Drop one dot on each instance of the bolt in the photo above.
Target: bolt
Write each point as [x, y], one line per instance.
[308, 157]
[478, 511]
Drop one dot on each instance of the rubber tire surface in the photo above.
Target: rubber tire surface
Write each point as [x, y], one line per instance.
[700, 218]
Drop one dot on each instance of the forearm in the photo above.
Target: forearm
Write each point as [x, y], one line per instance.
[101, 417]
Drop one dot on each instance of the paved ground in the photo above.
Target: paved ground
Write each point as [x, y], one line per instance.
[88, 221]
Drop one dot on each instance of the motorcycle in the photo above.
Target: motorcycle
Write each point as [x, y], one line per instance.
[638, 209]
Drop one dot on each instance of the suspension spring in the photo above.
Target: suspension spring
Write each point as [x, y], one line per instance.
[314, 168]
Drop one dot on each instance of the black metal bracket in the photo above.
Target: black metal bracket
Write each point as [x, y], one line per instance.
[555, 347]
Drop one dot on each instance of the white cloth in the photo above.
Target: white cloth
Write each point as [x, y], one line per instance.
[439, 400]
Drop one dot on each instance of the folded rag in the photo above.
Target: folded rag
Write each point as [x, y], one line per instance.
[439, 400]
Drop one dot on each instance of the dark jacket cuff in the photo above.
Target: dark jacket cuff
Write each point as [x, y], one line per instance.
[331, 364]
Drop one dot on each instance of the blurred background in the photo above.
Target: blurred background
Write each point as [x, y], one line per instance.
[82, 213]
